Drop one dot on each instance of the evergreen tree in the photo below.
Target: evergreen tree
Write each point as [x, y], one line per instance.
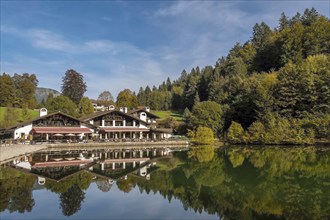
[261, 34]
[25, 87]
[309, 16]
[141, 96]
[168, 84]
[7, 90]
[73, 85]
[147, 92]
[284, 22]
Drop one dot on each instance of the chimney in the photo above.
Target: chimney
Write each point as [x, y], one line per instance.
[147, 108]
[121, 109]
[125, 109]
[42, 112]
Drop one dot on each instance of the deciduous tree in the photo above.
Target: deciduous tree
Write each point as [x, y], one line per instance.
[126, 98]
[208, 114]
[105, 98]
[85, 106]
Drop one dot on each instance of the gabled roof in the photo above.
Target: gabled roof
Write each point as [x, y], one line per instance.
[98, 114]
[46, 116]
[143, 110]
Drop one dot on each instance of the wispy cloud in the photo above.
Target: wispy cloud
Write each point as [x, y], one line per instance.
[113, 47]
[184, 34]
[46, 39]
[112, 65]
[40, 38]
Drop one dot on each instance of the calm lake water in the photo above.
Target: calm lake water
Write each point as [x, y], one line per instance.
[202, 183]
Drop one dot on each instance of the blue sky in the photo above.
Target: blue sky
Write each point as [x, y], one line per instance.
[128, 44]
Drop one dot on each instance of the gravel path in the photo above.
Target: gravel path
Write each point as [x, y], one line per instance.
[15, 150]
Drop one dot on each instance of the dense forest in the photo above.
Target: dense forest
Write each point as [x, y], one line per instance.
[273, 89]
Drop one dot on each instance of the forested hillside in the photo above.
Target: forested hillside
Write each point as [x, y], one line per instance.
[275, 88]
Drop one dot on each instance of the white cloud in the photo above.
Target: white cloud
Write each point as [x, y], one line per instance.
[40, 38]
[46, 39]
[113, 47]
[196, 32]
[111, 65]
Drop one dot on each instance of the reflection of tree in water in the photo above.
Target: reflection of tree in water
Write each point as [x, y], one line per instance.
[251, 183]
[70, 201]
[125, 185]
[16, 191]
[103, 185]
[202, 153]
[82, 179]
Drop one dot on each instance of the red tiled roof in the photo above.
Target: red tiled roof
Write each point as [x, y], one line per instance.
[123, 129]
[60, 130]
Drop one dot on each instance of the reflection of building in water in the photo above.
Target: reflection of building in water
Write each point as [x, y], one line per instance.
[110, 164]
[118, 164]
[41, 180]
[104, 184]
[51, 166]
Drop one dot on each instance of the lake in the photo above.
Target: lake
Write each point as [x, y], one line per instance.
[200, 183]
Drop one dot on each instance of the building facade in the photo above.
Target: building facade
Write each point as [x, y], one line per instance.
[127, 125]
[50, 127]
[110, 125]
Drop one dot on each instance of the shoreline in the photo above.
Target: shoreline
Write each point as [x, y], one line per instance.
[9, 152]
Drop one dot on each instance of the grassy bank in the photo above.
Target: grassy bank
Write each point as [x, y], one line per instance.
[166, 114]
[12, 116]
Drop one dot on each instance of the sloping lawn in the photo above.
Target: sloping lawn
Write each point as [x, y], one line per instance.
[19, 113]
[166, 114]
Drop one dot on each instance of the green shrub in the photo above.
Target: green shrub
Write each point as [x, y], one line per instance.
[235, 133]
[203, 135]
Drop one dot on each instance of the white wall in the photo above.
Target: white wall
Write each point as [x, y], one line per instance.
[142, 125]
[143, 116]
[26, 129]
[166, 135]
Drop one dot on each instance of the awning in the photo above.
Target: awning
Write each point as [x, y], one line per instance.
[60, 130]
[124, 129]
